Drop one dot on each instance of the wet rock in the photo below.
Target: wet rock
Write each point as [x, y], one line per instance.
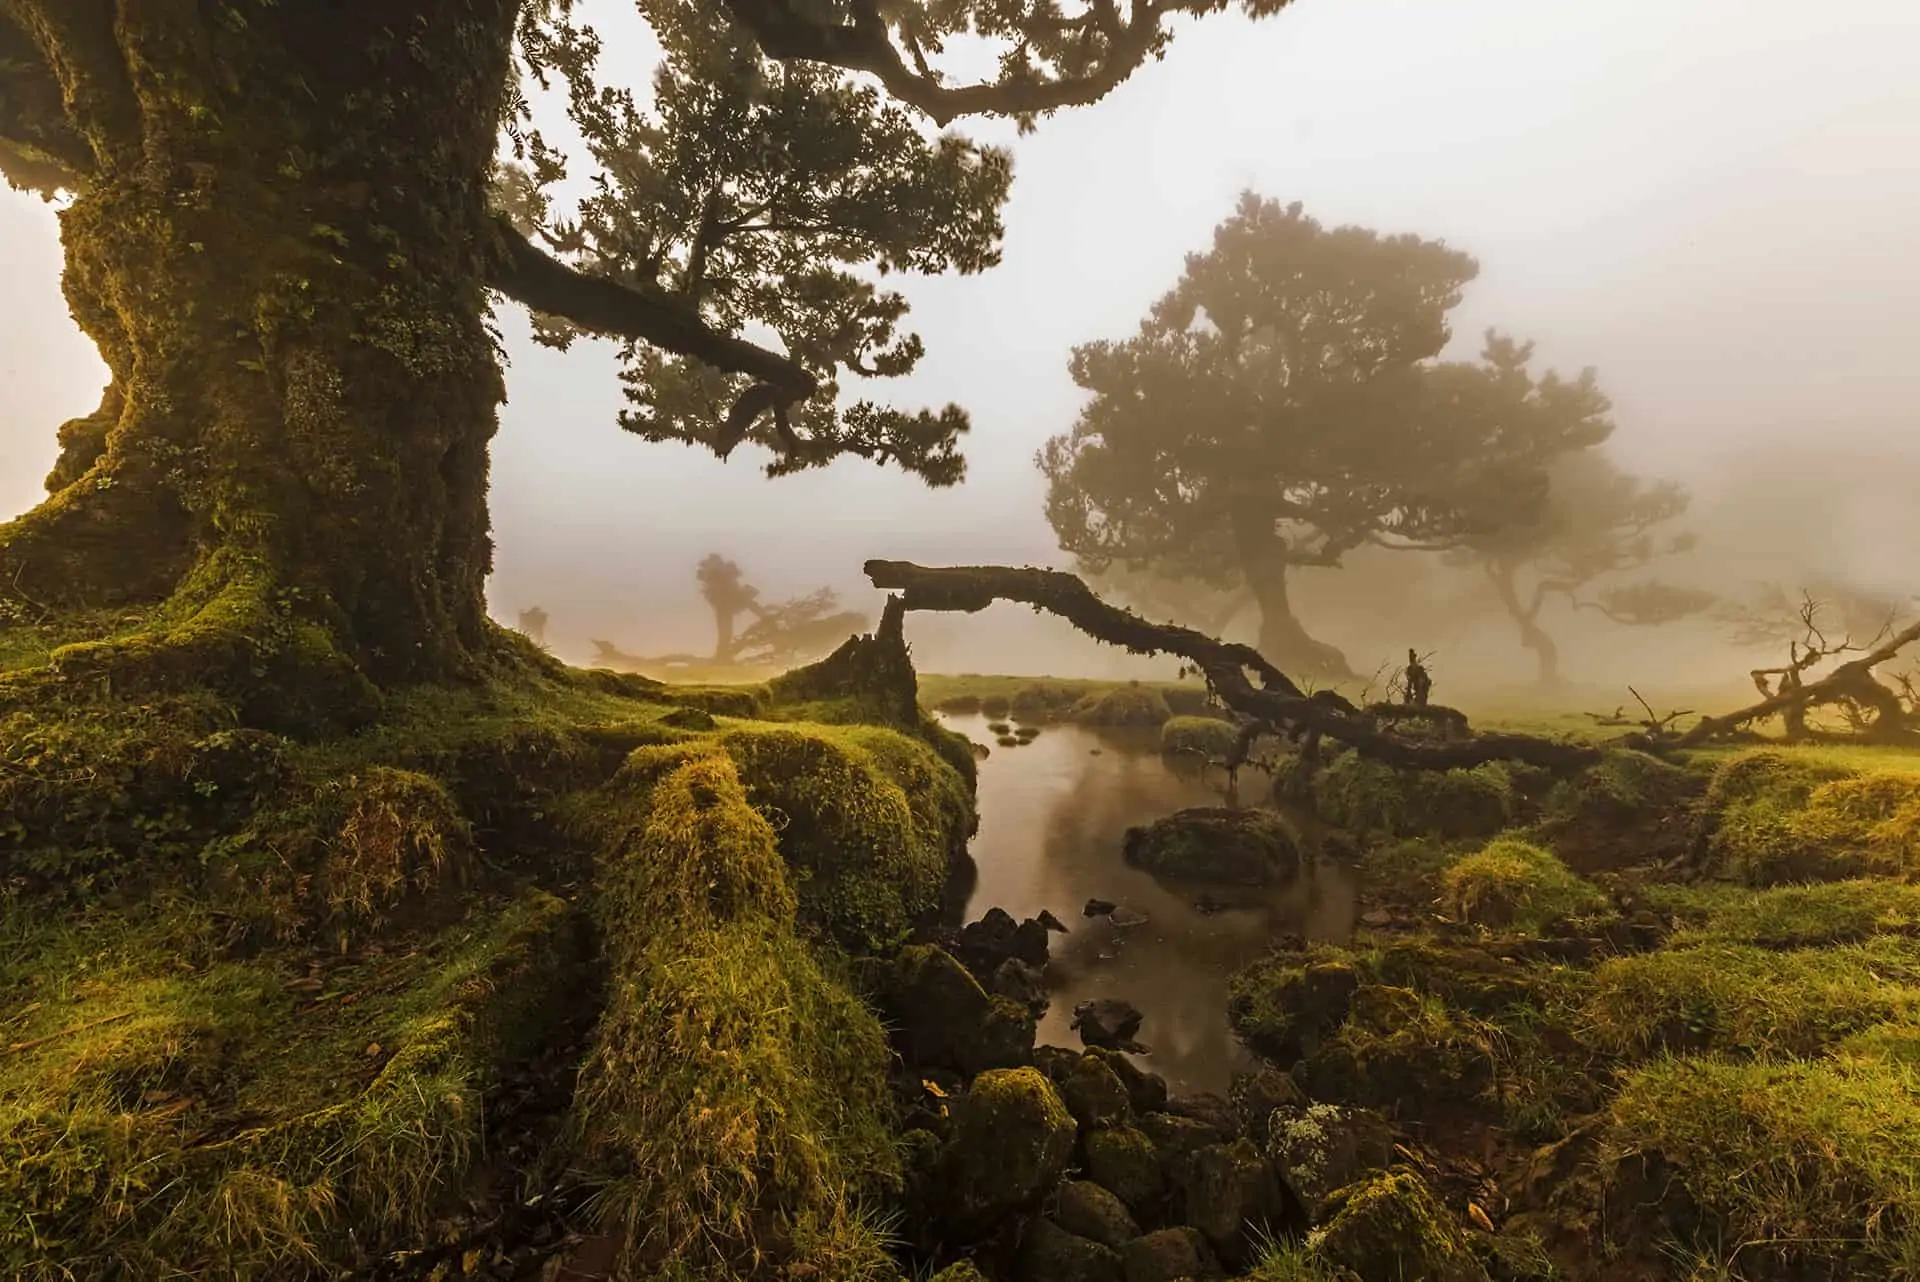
[982, 945]
[1124, 918]
[942, 1017]
[1324, 1147]
[1098, 908]
[1048, 1253]
[1095, 1213]
[1392, 1225]
[1231, 1194]
[1255, 1096]
[1178, 1138]
[1147, 1092]
[1052, 923]
[1055, 1061]
[1108, 1022]
[1166, 1256]
[1123, 1161]
[1011, 1140]
[1211, 843]
[1019, 982]
[1095, 1095]
[1205, 1106]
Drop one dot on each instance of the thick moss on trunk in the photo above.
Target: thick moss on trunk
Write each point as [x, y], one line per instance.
[281, 254]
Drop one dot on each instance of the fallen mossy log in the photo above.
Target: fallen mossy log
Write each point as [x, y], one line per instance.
[1277, 702]
[1852, 685]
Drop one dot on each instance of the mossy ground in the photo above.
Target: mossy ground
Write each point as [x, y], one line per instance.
[260, 996]
[1732, 1063]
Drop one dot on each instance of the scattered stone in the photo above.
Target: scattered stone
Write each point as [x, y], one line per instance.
[1048, 1253]
[1166, 1256]
[1107, 1021]
[1256, 1095]
[1095, 1213]
[1392, 1225]
[1231, 1194]
[1098, 908]
[1124, 918]
[1124, 1161]
[1095, 1095]
[1178, 1138]
[1325, 1147]
[1147, 1092]
[943, 1018]
[1019, 982]
[1207, 1107]
[982, 945]
[1212, 843]
[1011, 1139]
[1052, 923]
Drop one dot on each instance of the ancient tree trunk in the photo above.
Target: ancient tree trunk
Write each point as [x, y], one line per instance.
[1263, 563]
[281, 250]
[1532, 636]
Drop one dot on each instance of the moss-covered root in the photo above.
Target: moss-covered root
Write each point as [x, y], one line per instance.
[735, 1091]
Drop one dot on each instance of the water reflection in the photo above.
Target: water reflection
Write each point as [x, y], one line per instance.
[1052, 815]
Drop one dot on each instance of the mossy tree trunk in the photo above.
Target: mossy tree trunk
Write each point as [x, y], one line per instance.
[280, 247]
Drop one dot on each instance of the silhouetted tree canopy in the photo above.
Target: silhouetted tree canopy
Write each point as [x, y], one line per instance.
[783, 633]
[287, 219]
[1596, 523]
[1275, 410]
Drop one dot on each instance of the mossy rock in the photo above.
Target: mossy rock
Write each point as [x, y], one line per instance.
[1011, 1140]
[1095, 1095]
[1391, 1226]
[1514, 885]
[1323, 1147]
[1095, 1213]
[962, 1271]
[1398, 1047]
[1124, 1161]
[1369, 798]
[943, 1018]
[1200, 738]
[1049, 1253]
[1809, 1164]
[1167, 1255]
[1214, 844]
[869, 819]
[1285, 1006]
[1123, 707]
[1232, 1195]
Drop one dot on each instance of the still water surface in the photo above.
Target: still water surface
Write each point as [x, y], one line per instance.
[1052, 817]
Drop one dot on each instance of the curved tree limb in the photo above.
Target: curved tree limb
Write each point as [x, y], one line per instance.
[1851, 681]
[1277, 702]
[528, 274]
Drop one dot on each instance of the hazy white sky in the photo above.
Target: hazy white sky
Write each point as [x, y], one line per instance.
[1716, 202]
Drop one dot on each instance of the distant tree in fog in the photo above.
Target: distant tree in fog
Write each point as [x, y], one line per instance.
[788, 632]
[533, 624]
[1276, 410]
[1598, 524]
[1776, 616]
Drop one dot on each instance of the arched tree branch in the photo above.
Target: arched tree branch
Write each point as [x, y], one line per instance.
[1277, 702]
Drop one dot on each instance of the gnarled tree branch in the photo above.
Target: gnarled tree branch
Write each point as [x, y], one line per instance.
[1277, 702]
[526, 273]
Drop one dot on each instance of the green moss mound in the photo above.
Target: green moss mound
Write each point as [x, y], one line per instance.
[868, 818]
[1750, 1001]
[1198, 738]
[1124, 707]
[735, 1092]
[167, 1111]
[1794, 1169]
[1368, 798]
[1776, 816]
[1010, 1143]
[1514, 885]
[1214, 844]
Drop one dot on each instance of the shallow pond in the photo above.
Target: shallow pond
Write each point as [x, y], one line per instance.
[1052, 816]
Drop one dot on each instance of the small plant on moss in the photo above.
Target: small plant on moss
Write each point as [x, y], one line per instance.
[1510, 884]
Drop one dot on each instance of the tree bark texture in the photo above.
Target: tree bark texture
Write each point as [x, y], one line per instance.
[281, 250]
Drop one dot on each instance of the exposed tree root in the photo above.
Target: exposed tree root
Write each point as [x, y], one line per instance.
[1277, 703]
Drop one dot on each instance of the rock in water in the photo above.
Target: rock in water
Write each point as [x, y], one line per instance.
[1047, 919]
[1211, 843]
[982, 945]
[1098, 908]
[1019, 982]
[1107, 1021]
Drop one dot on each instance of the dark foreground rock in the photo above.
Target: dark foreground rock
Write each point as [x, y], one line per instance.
[1011, 1141]
[1048, 1253]
[943, 1018]
[1167, 1255]
[1108, 1022]
[1095, 1213]
[1235, 847]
